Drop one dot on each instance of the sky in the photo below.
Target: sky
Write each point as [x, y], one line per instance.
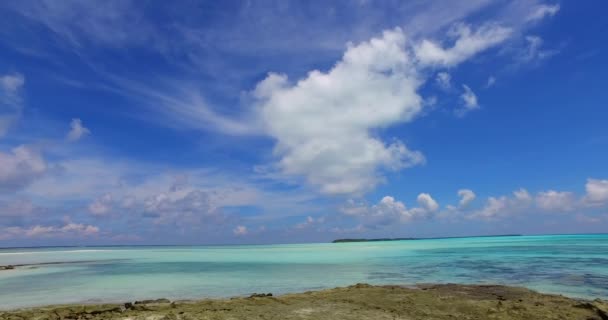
[216, 122]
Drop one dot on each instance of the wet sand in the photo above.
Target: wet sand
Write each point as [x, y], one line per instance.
[360, 301]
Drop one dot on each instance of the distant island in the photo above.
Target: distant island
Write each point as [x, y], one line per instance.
[402, 239]
[371, 240]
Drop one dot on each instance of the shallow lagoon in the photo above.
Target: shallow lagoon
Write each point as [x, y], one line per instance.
[573, 265]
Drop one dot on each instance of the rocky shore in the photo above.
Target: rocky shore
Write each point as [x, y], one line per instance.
[360, 301]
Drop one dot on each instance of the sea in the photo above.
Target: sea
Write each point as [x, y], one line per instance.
[570, 265]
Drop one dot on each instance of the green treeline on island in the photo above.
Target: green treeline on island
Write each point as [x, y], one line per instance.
[371, 240]
[402, 239]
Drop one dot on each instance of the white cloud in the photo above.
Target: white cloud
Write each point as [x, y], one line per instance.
[469, 101]
[83, 178]
[240, 231]
[427, 202]
[591, 219]
[186, 208]
[520, 202]
[164, 195]
[322, 123]
[180, 104]
[547, 202]
[10, 100]
[522, 196]
[102, 205]
[20, 167]
[534, 52]
[491, 81]
[467, 43]
[113, 23]
[499, 207]
[82, 27]
[552, 200]
[466, 197]
[174, 202]
[354, 208]
[596, 192]
[541, 11]
[494, 207]
[180, 202]
[69, 230]
[443, 80]
[357, 229]
[310, 222]
[389, 210]
[469, 98]
[11, 83]
[389, 207]
[77, 130]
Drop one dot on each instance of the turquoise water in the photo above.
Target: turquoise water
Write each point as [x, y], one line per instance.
[573, 265]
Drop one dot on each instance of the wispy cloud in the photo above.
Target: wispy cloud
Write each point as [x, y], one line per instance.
[541, 11]
[469, 101]
[181, 105]
[111, 23]
[467, 43]
[491, 82]
[77, 130]
[443, 80]
[20, 167]
[534, 51]
[10, 100]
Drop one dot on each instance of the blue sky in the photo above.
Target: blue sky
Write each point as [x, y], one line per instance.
[144, 122]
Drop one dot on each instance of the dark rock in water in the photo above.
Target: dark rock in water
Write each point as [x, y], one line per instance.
[260, 295]
[152, 301]
[9, 267]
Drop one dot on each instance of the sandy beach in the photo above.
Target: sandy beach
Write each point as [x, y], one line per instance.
[359, 301]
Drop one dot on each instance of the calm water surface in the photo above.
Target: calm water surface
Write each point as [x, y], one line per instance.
[573, 265]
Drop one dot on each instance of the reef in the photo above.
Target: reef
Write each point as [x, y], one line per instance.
[361, 301]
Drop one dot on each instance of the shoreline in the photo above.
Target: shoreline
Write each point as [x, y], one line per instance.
[360, 301]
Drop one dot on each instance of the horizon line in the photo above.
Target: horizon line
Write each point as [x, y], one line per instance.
[320, 242]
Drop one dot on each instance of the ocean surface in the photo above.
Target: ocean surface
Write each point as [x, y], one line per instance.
[572, 265]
